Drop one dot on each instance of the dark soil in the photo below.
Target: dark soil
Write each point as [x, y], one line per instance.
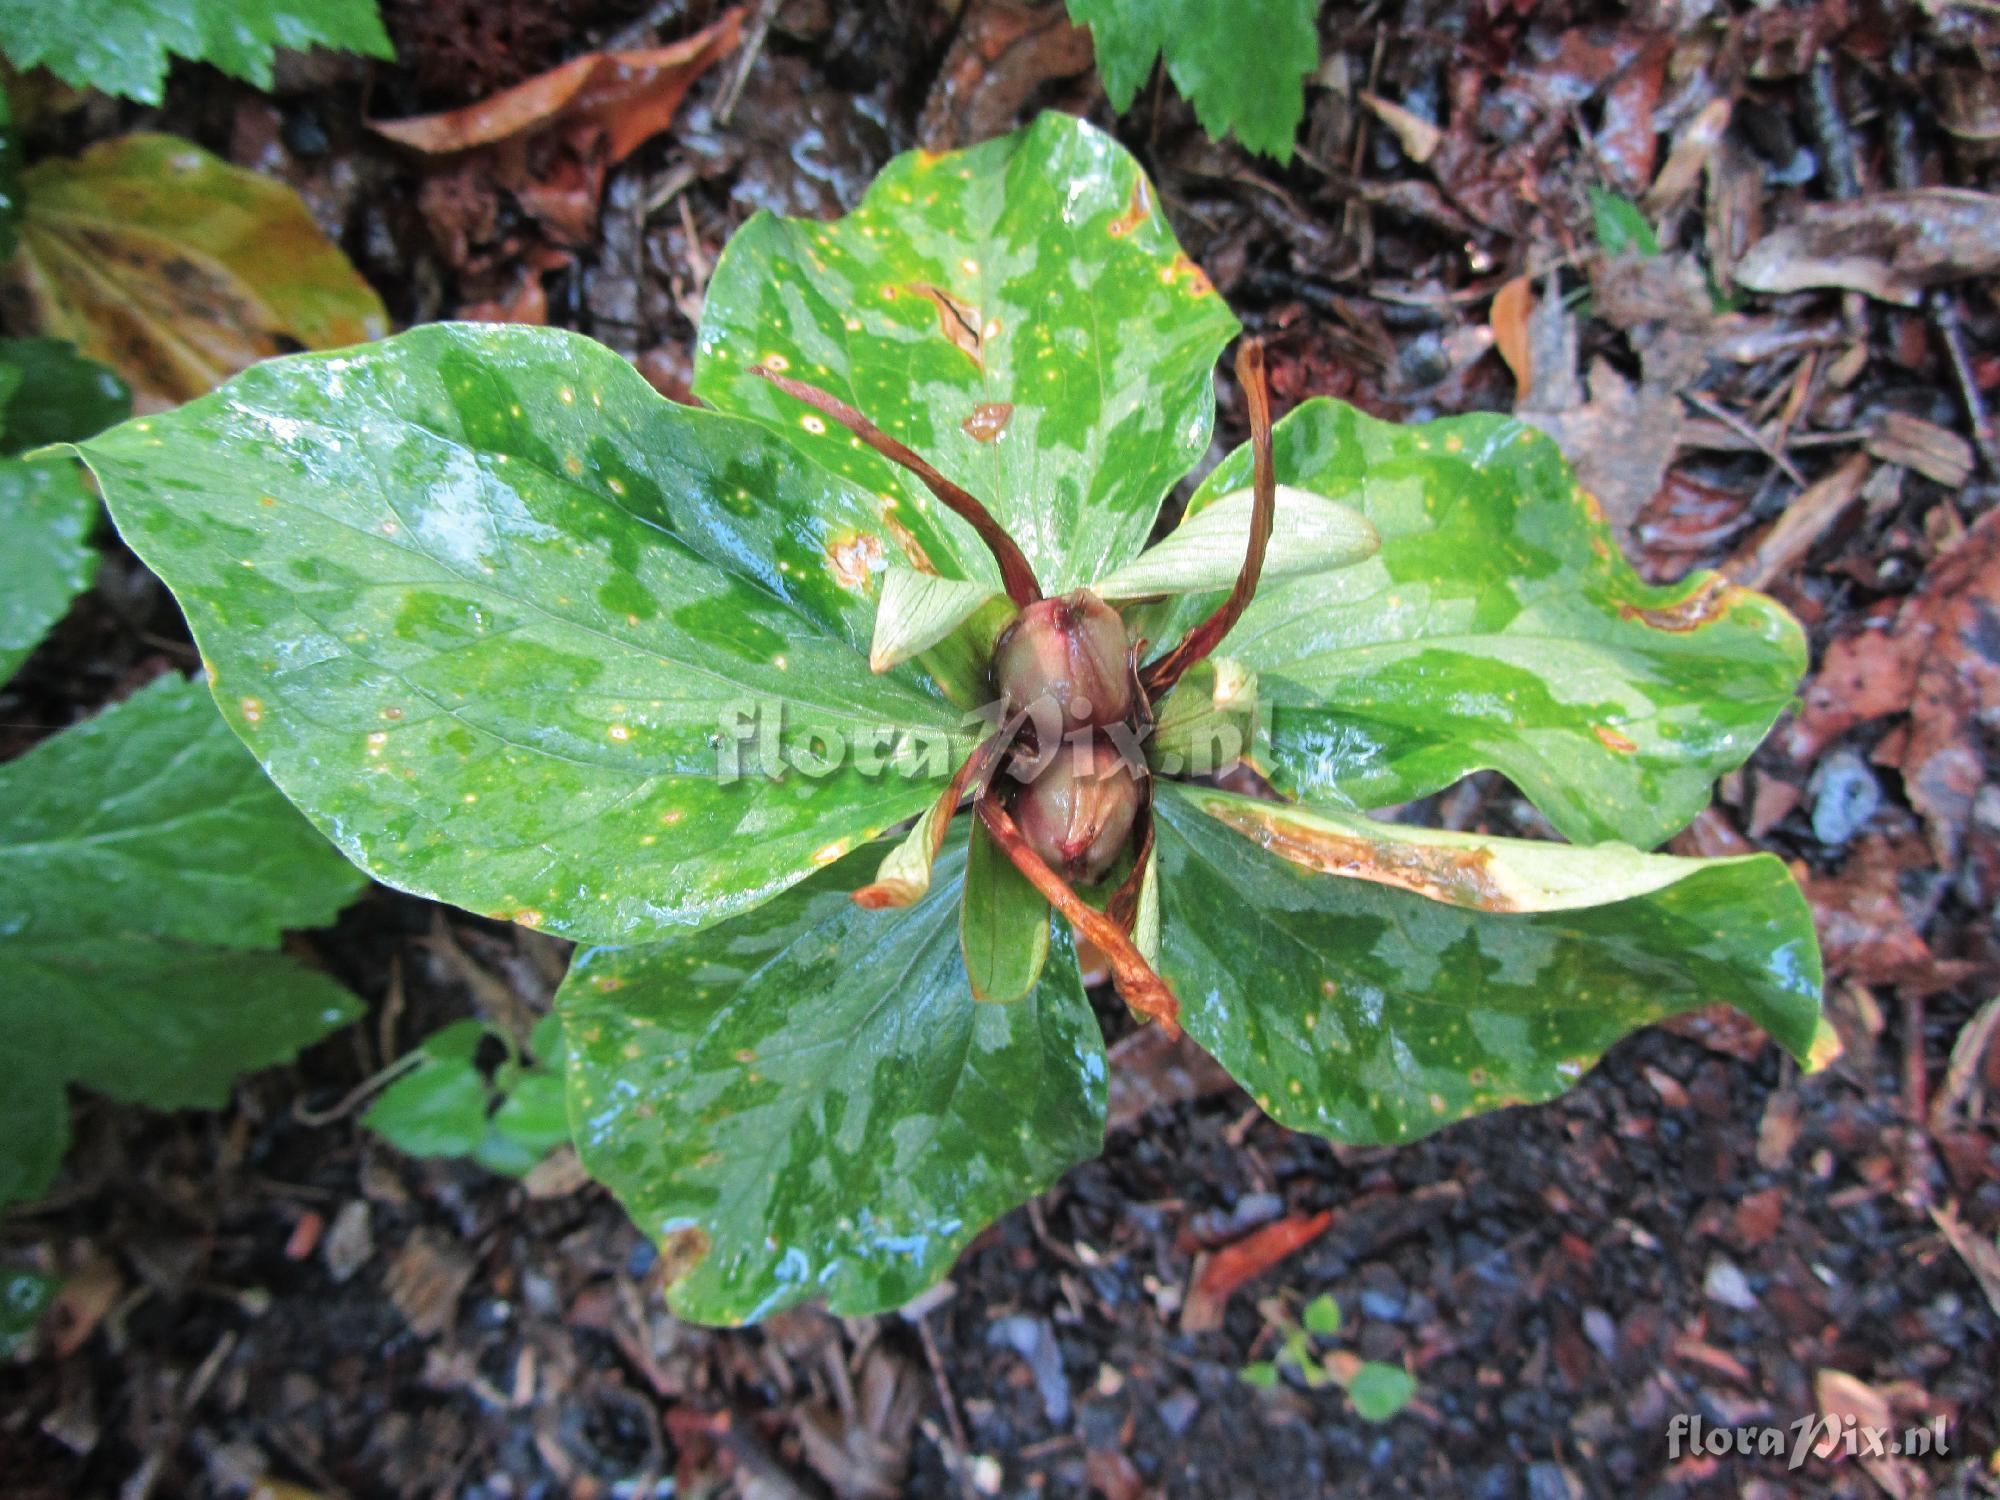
[1695, 1229]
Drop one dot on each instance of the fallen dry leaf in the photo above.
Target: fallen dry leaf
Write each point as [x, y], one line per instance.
[1511, 306]
[1220, 1274]
[548, 143]
[1889, 245]
[630, 96]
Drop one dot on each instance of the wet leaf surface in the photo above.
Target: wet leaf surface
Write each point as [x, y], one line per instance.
[1034, 271]
[177, 269]
[147, 869]
[56, 397]
[849, 1147]
[1499, 627]
[1359, 1009]
[505, 623]
[46, 558]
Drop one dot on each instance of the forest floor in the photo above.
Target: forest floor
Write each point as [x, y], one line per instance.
[268, 1296]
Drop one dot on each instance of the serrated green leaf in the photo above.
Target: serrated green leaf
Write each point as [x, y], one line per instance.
[807, 1101]
[1379, 1391]
[144, 861]
[1242, 67]
[1309, 534]
[505, 624]
[122, 46]
[1621, 226]
[177, 269]
[58, 396]
[1322, 1315]
[1018, 313]
[1498, 628]
[1452, 974]
[46, 558]
[1003, 924]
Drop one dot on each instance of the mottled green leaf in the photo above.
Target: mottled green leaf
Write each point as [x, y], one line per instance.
[807, 1101]
[1455, 974]
[177, 268]
[1499, 628]
[1003, 923]
[146, 869]
[58, 396]
[920, 609]
[1309, 534]
[46, 558]
[1379, 1391]
[519, 634]
[1019, 313]
[122, 46]
[1242, 66]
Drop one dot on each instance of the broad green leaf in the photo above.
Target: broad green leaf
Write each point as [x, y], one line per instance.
[146, 870]
[1621, 225]
[1003, 923]
[1379, 1391]
[1452, 975]
[920, 609]
[1242, 67]
[177, 269]
[1309, 534]
[46, 558]
[807, 1101]
[1498, 628]
[520, 634]
[58, 395]
[1018, 313]
[122, 46]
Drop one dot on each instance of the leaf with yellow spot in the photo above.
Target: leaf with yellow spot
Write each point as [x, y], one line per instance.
[1497, 628]
[1376, 982]
[880, 1124]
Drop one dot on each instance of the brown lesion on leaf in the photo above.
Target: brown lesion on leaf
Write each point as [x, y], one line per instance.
[1611, 739]
[957, 320]
[1715, 598]
[988, 420]
[1135, 214]
[854, 557]
[913, 550]
[1461, 877]
[681, 1250]
[1197, 279]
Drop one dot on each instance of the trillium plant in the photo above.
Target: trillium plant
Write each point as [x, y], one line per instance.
[808, 711]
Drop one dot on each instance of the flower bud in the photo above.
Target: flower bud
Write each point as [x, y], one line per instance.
[1070, 651]
[1078, 813]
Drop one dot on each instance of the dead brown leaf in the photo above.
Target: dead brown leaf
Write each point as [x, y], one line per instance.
[426, 1280]
[1889, 245]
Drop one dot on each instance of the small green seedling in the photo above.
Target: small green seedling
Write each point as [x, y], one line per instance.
[1377, 1390]
[446, 1104]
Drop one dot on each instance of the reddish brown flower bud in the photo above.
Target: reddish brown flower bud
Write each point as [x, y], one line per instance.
[1078, 813]
[1071, 651]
